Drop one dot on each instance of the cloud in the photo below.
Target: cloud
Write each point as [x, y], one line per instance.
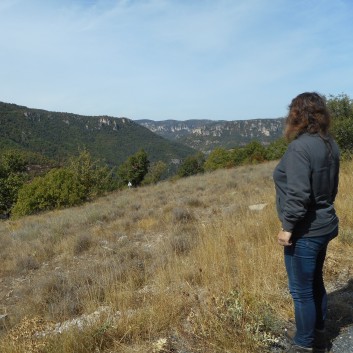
[156, 58]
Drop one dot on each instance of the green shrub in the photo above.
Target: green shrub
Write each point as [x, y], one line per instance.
[255, 152]
[134, 169]
[192, 165]
[218, 158]
[275, 150]
[155, 173]
[81, 180]
[12, 177]
[59, 188]
[238, 156]
[341, 110]
[90, 174]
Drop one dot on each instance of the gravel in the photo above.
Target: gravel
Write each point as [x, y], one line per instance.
[343, 343]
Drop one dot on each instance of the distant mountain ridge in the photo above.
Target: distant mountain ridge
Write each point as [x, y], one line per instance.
[205, 135]
[59, 135]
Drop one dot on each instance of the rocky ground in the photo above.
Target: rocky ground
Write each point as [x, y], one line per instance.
[343, 343]
[339, 321]
[339, 325]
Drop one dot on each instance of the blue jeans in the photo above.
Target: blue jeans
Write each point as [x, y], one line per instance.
[304, 261]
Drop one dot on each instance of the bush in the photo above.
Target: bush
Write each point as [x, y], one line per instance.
[134, 169]
[192, 165]
[27, 263]
[155, 173]
[59, 188]
[81, 180]
[218, 158]
[255, 152]
[238, 156]
[341, 110]
[83, 243]
[181, 215]
[13, 162]
[12, 177]
[275, 150]
[93, 177]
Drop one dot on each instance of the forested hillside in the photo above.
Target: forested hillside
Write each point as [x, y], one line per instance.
[59, 135]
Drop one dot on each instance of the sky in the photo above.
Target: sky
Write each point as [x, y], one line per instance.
[174, 59]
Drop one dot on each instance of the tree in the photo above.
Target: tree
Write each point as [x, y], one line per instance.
[58, 188]
[276, 149]
[238, 156]
[218, 158]
[192, 165]
[93, 177]
[340, 106]
[13, 162]
[155, 173]
[13, 175]
[341, 110]
[83, 179]
[134, 168]
[255, 152]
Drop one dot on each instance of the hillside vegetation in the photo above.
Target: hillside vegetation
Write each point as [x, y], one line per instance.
[181, 266]
[34, 142]
[61, 135]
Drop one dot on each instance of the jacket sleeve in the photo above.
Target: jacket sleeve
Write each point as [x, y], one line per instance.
[298, 172]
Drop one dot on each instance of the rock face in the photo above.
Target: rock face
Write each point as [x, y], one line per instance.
[205, 135]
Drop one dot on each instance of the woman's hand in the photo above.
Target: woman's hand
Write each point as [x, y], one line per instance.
[284, 238]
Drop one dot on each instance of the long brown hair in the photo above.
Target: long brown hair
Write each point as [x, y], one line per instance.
[307, 113]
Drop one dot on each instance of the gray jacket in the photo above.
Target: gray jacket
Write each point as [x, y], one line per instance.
[306, 181]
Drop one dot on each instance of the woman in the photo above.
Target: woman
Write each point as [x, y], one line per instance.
[306, 181]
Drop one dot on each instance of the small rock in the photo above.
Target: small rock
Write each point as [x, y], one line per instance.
[4, 320]
[258, 207]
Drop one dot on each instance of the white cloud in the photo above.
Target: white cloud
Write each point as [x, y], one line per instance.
[169, 58]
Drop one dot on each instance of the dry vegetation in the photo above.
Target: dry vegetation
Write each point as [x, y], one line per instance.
[183, 266]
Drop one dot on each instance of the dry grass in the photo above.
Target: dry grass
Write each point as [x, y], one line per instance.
[186, 264]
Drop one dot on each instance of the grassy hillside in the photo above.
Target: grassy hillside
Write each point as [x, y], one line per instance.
[181, 267]
[58, 135]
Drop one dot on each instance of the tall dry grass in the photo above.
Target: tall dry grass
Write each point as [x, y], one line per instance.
[185, 264]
